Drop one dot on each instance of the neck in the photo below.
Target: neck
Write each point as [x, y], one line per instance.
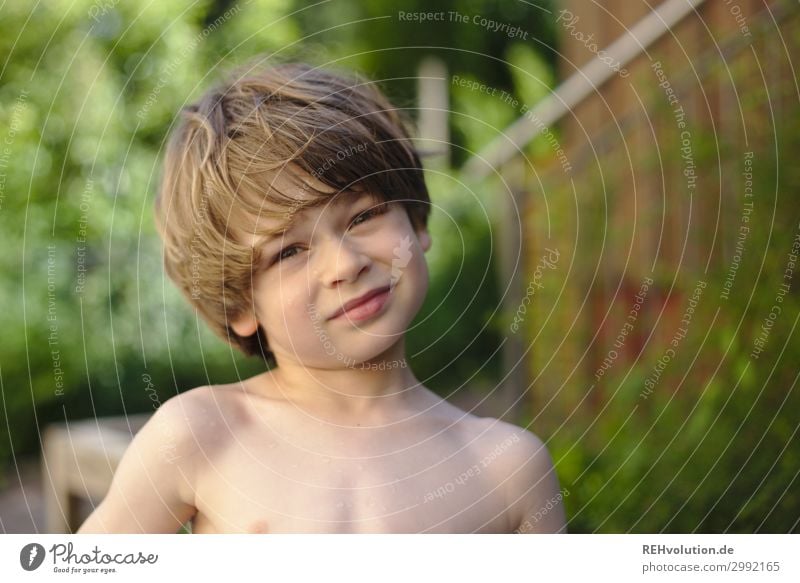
[379, 388]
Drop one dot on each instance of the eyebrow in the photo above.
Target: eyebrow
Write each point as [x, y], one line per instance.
[275, 234]
[281, 230]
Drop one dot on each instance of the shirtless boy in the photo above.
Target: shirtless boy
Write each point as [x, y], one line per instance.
[293, 211]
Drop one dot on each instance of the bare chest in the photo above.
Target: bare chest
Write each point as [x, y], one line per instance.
[433, 484]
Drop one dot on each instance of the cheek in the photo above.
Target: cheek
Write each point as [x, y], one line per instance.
[421, 274]
[284, 308]
[413, 276]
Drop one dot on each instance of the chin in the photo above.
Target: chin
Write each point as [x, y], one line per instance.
[371, 347]
[374, 342]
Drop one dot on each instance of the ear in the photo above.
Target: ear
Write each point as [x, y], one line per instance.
[424, 238]
[245, 325]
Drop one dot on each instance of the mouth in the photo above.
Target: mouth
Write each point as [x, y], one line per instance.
[364, 306]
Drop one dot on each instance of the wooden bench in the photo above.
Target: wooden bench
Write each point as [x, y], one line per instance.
[78, 462]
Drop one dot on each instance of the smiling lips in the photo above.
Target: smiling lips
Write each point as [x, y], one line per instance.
[365, 306]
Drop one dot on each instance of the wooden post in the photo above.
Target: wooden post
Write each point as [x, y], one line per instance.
[55, 481]
[512, 264]
[78, 462]
[434, 106]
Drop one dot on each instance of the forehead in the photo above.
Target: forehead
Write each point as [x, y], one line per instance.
[295, 194]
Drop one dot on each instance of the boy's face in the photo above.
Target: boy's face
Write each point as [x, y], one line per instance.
[353, 248]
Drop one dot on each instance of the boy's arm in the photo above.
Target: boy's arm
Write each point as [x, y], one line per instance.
[536, 505]
[152, 487]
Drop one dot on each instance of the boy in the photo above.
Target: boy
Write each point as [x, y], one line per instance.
[293, 211]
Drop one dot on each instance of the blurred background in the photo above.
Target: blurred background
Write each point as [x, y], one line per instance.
[616, 229]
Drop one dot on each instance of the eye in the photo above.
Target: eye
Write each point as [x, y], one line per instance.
[286, 253]
[369, 214]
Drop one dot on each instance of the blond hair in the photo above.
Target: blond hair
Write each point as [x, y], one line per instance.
[288, 122]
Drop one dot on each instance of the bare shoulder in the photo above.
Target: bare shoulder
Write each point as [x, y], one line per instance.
[508, 446]
[199, 419]
[521, 465]
[154, 485]
[153, 489]
[201, 402]
[495, 438]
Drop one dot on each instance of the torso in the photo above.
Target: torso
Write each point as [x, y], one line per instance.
[275, 469]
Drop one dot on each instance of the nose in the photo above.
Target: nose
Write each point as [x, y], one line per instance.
[342, 261]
